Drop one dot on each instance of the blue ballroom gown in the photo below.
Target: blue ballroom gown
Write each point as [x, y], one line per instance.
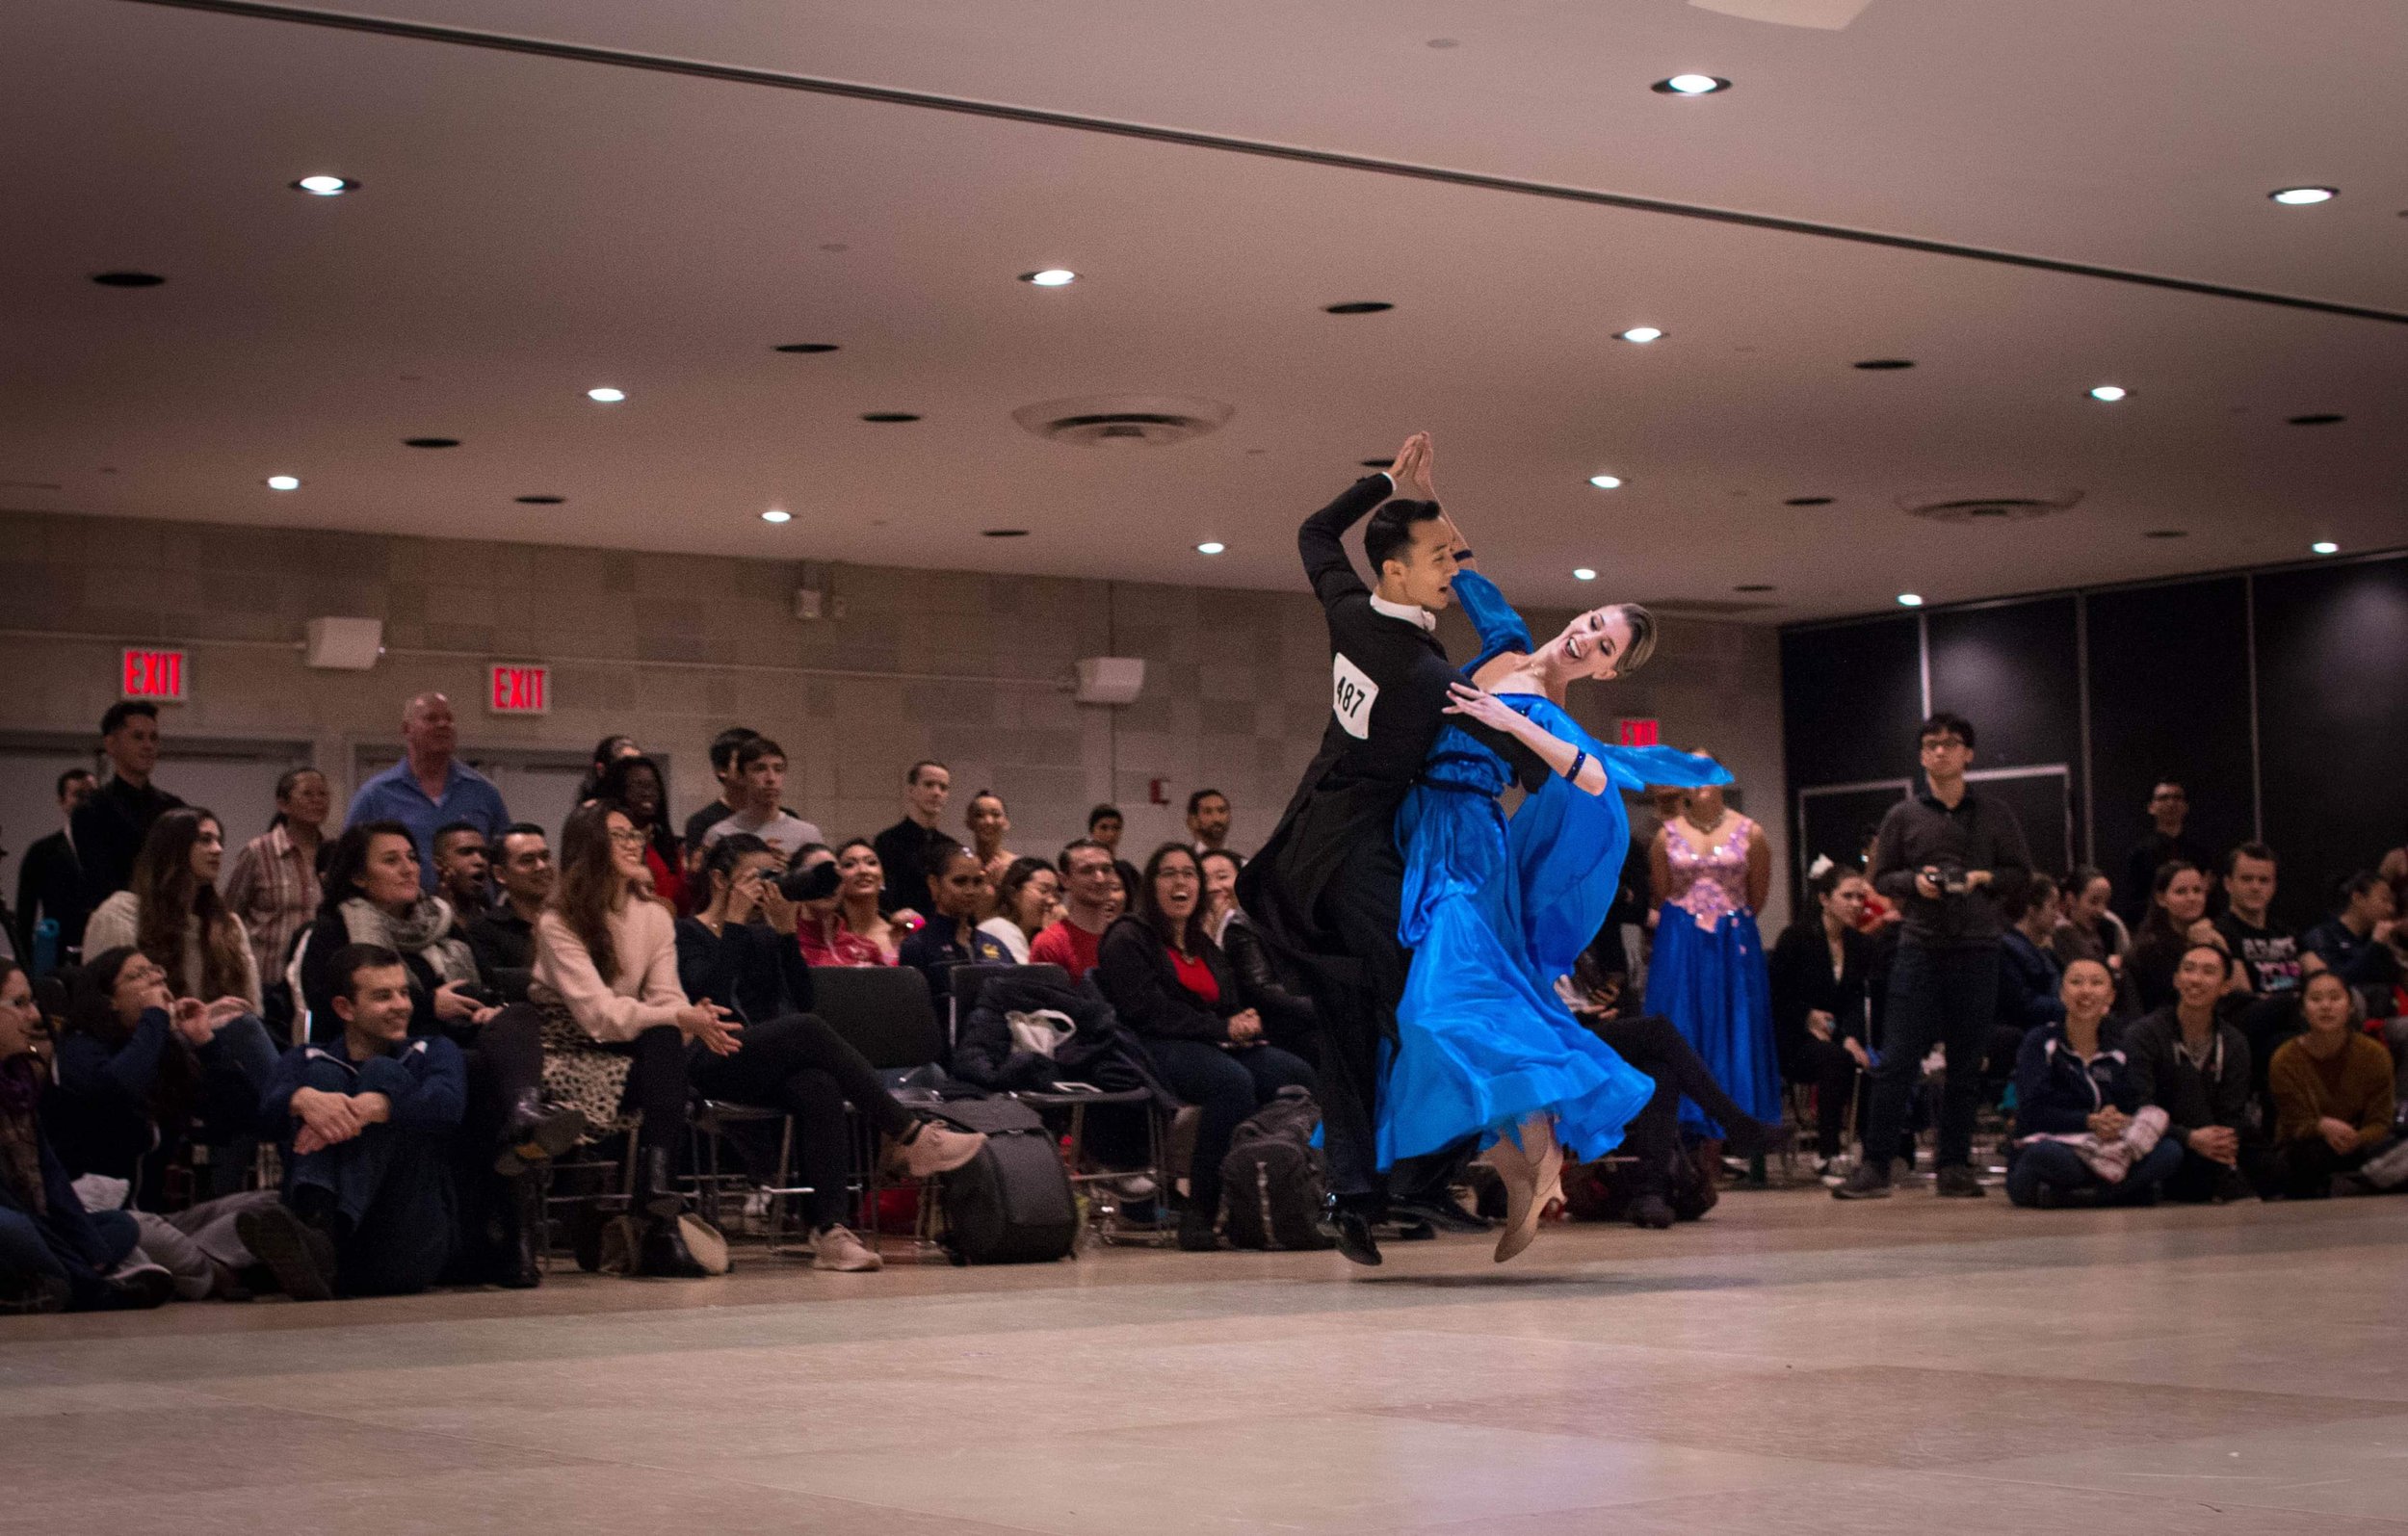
[1494, 911]
[1708, 976]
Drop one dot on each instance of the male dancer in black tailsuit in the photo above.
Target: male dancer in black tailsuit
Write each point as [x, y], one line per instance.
[1326, 889]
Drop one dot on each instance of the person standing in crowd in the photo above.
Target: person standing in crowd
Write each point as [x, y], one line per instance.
[1950, 856]
[429, 787]
[272, 887]
[903, 848]
[845, 926]
[2084, 1134]
[739, 951]
[2268, 955]
[636, 781]
[761, 768]
[51, 879]
[2177, 919]
[1208, 821]
[1026, 898]
[174, 914]
[1818, 974]
[607, 751]
[463, 869]
[367, 1123]
[990, 824]
[2333, 1094]
[110, 827]
[731, 782]
[1104, 825]
[2169, 806]
[1088, 885]
[54, 1254]
[957, 894]
[1710, 870]
[2195, 1067]
[1174, 990]
[503, 936]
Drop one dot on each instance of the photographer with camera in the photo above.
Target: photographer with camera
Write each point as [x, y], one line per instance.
[1950, 858]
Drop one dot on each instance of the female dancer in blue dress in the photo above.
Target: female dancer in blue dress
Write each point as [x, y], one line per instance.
[1494, 911]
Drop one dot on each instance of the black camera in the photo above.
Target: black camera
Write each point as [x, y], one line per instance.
[815, 882]
[1952, 879]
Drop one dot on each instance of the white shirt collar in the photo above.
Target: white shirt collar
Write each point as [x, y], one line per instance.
[1410, 613]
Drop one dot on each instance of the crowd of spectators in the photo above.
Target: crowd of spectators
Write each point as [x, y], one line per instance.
[401, 1021]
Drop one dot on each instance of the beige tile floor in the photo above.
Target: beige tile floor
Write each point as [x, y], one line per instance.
[1791, 1366]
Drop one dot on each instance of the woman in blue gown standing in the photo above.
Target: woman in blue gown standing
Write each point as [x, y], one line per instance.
[1496, 910]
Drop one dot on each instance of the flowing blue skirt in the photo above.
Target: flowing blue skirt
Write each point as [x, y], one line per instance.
[1712, 984]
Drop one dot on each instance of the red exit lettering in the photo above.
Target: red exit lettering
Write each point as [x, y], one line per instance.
[1640, 733]
[519, 690]
[152, 675]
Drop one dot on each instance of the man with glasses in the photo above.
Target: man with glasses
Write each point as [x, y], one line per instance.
[2169, 806]
[1950, 858]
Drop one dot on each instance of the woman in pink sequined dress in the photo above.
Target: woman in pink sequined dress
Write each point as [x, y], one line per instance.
[1712, 869]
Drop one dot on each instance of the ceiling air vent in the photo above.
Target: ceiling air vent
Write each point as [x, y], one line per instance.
[1993, 506]
[1123, 421]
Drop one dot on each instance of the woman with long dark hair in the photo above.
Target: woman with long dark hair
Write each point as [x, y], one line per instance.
[1171, 985]
[1819, 970]
[635, 783]
[1026, 898]
[174, 914]
[846, 927]
[2177, 919]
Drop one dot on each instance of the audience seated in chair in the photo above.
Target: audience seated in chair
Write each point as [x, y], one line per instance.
[503, 936]
[2332, 1093]
[171, 912]
[956, 898]
[2190, 1063]
[1026, 898]
[463, 869]
[845, 927]
[1090, 888]
[2084, 1134]
[1173, 988]
[1820, 969]
[1288, 1019]
[739, 953]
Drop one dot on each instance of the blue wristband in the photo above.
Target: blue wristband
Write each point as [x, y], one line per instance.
[1579, 763]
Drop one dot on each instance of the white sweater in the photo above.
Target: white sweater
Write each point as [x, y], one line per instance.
[646, 991]
[114, 924]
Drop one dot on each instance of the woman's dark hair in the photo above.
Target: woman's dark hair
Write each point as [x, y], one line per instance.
[605, 752]
[2038, 890]
[939, 857]
[1235, 864]
[2083, 876]
[1825, 880]
[284, 783]
[851, 843]
[2357, 1006]
[91, 1009]
[344, 862]
[2158, 925]
[1191, 939]
[1016, 878]
[731, 849]
[168, 897]
[591, 887]
[666, 843]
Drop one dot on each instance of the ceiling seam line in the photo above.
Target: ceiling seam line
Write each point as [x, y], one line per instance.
[1230, 144]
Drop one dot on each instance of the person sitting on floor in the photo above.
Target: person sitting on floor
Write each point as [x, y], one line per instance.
[2083, 1135]
[366, 1124]
[2332, 1091]
[2195, 1067]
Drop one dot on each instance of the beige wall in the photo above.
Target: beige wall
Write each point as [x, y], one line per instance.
[950, 665]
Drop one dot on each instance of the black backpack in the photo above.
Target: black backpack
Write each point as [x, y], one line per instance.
[1012, 1202]
[1273, 1180]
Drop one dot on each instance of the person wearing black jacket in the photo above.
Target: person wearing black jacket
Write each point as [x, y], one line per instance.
[1325, 892]
[1288, 1021]
[50, 877]
[2189, 1062]
[109, 827]
[1174, 989]
[2072, 1077]
[789, 1059]
[1817, 973]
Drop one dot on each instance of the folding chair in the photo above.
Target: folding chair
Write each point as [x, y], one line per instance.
[887, 1014]
[707, 1127]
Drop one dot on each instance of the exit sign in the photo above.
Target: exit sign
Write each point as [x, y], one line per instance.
[1640, 733]
[160, 676]
[513, 688]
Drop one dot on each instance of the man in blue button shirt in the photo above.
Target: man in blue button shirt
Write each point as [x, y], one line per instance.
[427, 789]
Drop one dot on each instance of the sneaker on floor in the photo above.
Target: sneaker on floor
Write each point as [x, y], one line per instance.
[937, 1149]
[1956, 1182]
[1831, 1172]
[300, 1255]
[1867, 1183]
[837, 1248]
[137, 1284]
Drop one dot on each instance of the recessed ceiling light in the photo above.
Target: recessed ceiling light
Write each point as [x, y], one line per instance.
[2301, 197]
[1910, 600]
[1583, 574]
[127, 280]
[2324, 546]
[1808, 501]
[1884, 365]
[777, 514]
[888, 416]
[540, 501]
[1754, 586]
[431, 442]
[606, 395]
[2322, 418]
[2167, 532]
[2110, 393]
[326, 186]
[1002, 532]
[284, 482]
[1210, 546]
[1641, 334]
[1605, 482]
[1049, 277]
[1360, 306]
[1690, 86]
[807, 347]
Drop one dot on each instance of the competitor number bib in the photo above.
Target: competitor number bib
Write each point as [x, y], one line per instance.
[1353, 693]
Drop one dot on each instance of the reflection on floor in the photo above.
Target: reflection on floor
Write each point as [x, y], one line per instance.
[1790, 1366]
